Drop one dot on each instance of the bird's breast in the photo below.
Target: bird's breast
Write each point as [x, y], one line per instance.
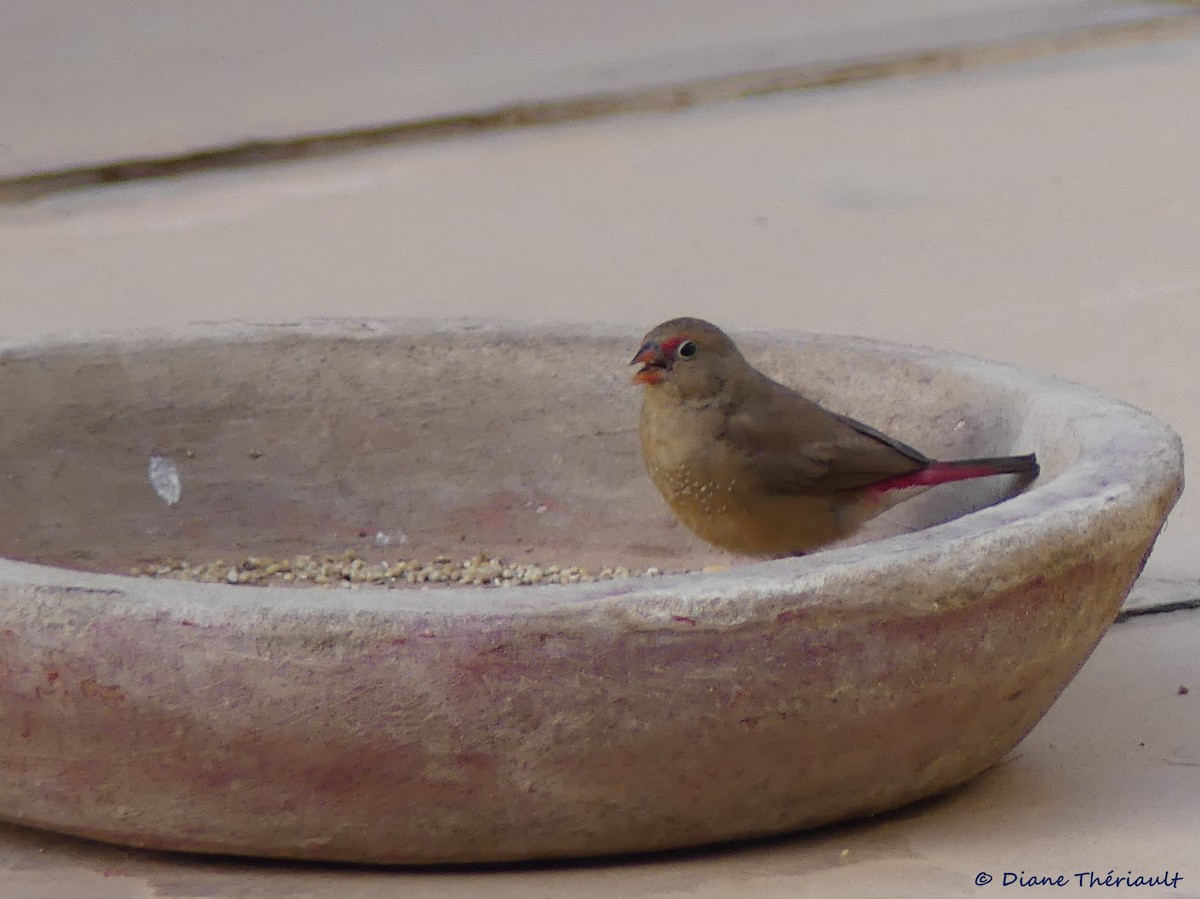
[684, 452]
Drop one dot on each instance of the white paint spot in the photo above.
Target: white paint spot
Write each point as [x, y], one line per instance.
[383, 538]
[164, 478]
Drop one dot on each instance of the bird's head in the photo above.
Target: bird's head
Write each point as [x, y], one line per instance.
[688, 355]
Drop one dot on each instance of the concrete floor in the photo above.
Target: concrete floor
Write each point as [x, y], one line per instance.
[77, 89]
[1043, 212]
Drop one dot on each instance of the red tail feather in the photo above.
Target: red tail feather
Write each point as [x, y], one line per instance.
[960, 470]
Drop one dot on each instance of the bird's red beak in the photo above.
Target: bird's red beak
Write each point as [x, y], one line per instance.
[655, 363]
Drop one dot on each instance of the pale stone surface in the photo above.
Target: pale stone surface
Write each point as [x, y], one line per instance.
[88, 83]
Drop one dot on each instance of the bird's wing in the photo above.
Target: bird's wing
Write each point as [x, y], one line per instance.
[913, 455]
[793, 446]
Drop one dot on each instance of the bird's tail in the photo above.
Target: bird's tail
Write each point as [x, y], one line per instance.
[962, 470]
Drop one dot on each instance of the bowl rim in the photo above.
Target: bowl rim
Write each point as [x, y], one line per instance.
[1123, 454]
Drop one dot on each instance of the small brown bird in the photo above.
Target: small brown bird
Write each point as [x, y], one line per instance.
[754, 467]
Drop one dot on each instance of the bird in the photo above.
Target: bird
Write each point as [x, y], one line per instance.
[756, 468]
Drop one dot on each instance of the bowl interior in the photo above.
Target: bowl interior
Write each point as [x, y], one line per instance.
[411, 444]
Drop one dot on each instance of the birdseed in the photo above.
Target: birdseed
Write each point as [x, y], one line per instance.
[349, 570]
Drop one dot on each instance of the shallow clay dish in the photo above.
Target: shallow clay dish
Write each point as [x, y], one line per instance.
[479, 724]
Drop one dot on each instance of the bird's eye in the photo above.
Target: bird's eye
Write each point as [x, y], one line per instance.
[686, 350]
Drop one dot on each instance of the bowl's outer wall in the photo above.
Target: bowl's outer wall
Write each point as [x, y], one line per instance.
[377, 740]
[688, 711]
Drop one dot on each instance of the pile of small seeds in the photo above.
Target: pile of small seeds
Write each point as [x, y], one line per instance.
[348, 570]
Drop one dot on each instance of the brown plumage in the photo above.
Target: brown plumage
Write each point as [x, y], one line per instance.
[754, 467]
